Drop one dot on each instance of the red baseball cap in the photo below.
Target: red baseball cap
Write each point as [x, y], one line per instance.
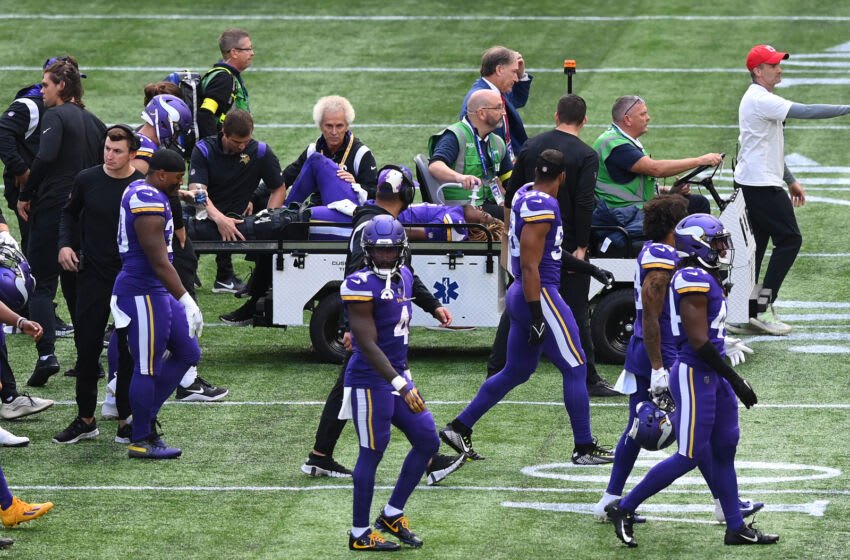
[764, 54]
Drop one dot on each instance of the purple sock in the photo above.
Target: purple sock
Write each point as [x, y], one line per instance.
[627, 450]
[5, 494]
[142, 391]
[412, 470]
[577, 403]
[364, 484]
[657, 479]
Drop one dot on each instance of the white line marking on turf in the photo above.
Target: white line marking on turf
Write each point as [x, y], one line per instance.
[820, 349]
[815, 509]
[794, 304]
[348, 487]
[417, 18]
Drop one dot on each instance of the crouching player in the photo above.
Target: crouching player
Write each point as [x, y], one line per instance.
[703, 386]
[378, 391]
[149, 300]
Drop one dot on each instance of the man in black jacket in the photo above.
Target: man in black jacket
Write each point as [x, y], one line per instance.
[71, 140]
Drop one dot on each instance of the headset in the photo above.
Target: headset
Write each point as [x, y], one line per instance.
[135, 141]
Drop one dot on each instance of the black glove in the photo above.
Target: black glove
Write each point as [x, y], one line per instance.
[744, 391]
[538, 324]
[603, 276]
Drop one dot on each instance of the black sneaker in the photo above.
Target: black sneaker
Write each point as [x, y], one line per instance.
[602, 388]
[458, 437]
[246, 289]
[124, 433]
[77, 431]
[442, 466]
[399, 527]
[230, 285]
[242, 317]
[623, 522]
[324, 466]
[749, 535]
[592, 454]
[63, 329]
[73, 372]
[200, 391]
[43, 370]
[6, 543]
[371, 540]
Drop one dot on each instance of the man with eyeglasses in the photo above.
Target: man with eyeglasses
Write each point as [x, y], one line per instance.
[503, 71]
[626, 178]
[469, 153]
[222, 88]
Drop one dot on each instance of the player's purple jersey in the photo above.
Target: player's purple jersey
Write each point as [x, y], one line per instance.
[656, 256]
[392, 317]
[426, 213]
[692, 280]
[532, 207]
[147, 147]
[137, 276]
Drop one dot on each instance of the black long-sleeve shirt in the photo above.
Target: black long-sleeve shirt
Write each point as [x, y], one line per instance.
[20, 131]
[92, 214]
[71, 140]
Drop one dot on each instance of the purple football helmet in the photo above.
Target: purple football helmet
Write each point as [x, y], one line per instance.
[703, 237]
[171, 119]
[399, 180]
[651, 428]
[16, 282]
[384, 243]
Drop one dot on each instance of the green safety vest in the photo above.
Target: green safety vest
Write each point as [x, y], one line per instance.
[468, 162]
[238, 96]
[616, 195]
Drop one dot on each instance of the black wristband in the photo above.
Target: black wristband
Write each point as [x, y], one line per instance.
[709, 354]
[536, 309]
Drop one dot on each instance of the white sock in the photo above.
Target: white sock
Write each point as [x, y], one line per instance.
[189, 377]
[111, 387]
[358, 532]
[44, 358]
[608, 498]
[390, 511]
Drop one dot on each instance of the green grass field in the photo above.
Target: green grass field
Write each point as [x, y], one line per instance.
[238, 493]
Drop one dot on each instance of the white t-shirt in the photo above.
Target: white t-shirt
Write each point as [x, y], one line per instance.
[761, 159]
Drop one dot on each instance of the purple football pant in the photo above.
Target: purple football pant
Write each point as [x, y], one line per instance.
[706, 424]
[157, 323]
[561, 345]
[327, 224]
[374, 413]
[319, 175]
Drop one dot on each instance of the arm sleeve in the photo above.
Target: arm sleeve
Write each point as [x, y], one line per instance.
[520, 92]
[574, 264]
[800, 111]
[446, 149]
[271, 174]
[585, 199]
[176, 212]
[69, 220]
[787, 176]
[367, 175]
[11, 128]
[422, 296]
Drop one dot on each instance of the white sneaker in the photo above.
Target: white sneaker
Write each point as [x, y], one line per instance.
[768, 322]
[8, 439]
[23, 405]
[599, 509]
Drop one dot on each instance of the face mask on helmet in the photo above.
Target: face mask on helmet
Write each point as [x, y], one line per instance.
[651, 428]
[703, 237]
[16, 282]
[384, 243]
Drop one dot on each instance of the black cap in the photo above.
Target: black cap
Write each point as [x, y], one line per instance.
[167, 160]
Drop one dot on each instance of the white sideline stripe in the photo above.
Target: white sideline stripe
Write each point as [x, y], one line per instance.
[399, 17]
[347, 487]
[819, 406]
[792, 304]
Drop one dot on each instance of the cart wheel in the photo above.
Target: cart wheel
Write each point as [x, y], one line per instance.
[324, 329]
[611, 326]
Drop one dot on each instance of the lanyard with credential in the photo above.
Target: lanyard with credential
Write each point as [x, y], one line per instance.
[481, 156]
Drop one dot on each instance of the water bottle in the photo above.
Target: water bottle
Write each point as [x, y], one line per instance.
[200, 202]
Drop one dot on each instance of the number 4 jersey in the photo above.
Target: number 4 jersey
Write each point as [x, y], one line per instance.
[391, 311]
[692, 280]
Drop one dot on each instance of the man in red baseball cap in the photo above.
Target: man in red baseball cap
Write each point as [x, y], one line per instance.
[764, 54]
[761, 174]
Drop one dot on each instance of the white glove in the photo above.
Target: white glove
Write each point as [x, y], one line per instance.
[659, 381]
[7, 239]
[736, 350]
[361, 193]
[193, 315]
[344, 206]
